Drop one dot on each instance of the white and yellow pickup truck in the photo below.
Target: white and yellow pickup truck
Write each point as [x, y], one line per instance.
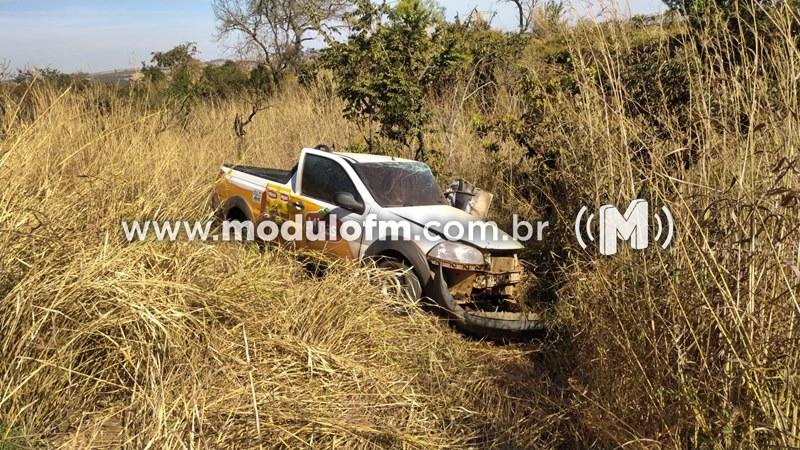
[473, 279]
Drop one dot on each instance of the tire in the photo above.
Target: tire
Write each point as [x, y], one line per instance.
[405, 280]
[513, 326]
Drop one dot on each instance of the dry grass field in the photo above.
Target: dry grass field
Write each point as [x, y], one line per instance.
[188, 345]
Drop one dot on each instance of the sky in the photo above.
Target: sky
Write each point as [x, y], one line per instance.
[99, 35]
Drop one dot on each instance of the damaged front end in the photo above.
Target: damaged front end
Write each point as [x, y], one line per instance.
[483, 299]
[477, 283]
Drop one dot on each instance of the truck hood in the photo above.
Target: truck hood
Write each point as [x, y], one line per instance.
[436, 217]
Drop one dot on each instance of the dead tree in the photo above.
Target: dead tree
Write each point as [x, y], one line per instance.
[240, 124]
[525, 12]
[272, 33]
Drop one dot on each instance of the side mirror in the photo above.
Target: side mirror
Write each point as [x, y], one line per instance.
[347, 201]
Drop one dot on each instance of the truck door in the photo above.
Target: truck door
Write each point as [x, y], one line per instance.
[327, 191]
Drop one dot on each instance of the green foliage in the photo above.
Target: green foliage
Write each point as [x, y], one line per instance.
[656, 79]
[533, 84]
[697, 8]
[180, 55]
[225, 80]
[549, 17]
[153, 74]
[390, 64]
[177, 67]
[307, 72]
[177, 73]
[487, 53]
[46, 74]
[263, 80]
[743, 21]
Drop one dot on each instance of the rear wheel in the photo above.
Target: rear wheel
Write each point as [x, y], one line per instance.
[404, 281]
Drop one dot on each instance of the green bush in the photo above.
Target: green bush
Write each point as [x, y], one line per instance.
[488, 54]
[225, 81]
[387, 68]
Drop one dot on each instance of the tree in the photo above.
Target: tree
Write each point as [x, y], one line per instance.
[524, 12]
[224, 80]
[47, 74]
[274, 31]
[179, 65]
[392, 60]
[536, 16]
[179, 55]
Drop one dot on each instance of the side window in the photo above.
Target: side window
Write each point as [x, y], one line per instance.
[324, 177]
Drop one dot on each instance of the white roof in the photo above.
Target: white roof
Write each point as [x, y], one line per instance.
[368, 158]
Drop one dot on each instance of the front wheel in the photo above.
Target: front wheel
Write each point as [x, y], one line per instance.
[404, 283]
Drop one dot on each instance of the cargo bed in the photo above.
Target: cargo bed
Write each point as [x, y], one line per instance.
[276, 175]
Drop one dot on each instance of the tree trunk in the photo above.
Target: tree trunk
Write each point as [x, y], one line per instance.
[420, 156]
[521, 15]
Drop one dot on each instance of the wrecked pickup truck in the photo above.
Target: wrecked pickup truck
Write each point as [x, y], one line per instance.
[473, 280]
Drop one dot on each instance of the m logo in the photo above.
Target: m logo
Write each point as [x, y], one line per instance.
[633, 226]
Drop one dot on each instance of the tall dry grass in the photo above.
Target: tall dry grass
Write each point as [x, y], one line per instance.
[213, 346]
[695, 346]
[104, 343]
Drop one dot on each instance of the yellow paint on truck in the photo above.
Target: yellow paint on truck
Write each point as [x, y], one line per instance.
[276, 202]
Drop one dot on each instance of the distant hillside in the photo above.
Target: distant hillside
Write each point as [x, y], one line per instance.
[116, 76]
[135, 74]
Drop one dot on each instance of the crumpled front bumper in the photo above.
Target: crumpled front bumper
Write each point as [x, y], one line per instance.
[491, 325]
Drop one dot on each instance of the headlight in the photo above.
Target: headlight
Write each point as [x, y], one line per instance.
[454, 253]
